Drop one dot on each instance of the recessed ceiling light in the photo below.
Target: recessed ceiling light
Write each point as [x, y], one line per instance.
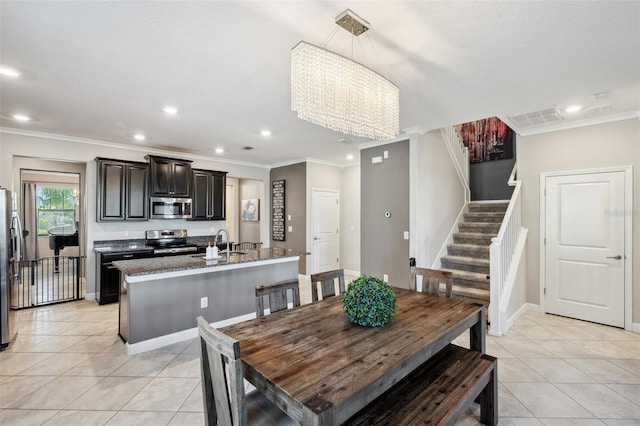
[139, 137]
[349, 156]
[219, 150]
[9, 72]
[171, 110]
[21, 117]
[265, 133]
[573, 108]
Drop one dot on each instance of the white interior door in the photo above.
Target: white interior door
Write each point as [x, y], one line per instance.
[585, 243]
[325, 231]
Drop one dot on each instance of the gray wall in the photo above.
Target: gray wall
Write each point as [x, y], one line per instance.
[295, 177]
[385, 187]
[590, 147]
[488, 180]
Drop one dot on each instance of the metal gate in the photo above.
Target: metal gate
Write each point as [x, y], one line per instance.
[49, 280]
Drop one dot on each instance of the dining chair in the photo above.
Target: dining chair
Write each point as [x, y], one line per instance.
[327, 284]
[431, 280]
[224, 400]
[247, 246]
[277, 294]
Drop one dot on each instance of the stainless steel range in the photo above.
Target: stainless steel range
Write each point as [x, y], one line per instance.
[169, 241]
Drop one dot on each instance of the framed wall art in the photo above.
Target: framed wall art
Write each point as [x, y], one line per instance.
[277, 210]
[251, 210]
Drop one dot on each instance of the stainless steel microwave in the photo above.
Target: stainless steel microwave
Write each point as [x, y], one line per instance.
[170, 208]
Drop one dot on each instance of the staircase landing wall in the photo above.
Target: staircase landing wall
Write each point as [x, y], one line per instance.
[438, 197]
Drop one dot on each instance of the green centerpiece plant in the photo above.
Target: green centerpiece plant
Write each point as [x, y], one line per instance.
[369, 301]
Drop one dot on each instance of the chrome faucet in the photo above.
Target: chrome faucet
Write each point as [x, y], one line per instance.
[216, 240]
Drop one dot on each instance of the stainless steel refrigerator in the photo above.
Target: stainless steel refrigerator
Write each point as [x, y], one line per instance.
[10, 253]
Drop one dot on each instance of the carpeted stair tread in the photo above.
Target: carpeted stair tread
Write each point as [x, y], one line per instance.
[468, 250]
[476, 206]
[470, 279]
[466, 264]
[468, 260]
[474, 238]
[480, 227]
[471, 293]
[490, 217]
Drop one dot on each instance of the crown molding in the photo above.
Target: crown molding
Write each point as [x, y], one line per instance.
[143, 149]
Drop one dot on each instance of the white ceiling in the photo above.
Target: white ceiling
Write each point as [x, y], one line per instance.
[104, 70]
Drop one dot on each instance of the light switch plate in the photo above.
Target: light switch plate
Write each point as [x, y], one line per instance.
[291, 229]
[406, 235]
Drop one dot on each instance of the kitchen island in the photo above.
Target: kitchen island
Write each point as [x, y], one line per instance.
[160, 298]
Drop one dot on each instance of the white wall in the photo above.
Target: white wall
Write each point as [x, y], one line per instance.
[437, 196]
[350, 219]
[65, 148]
[319, 177]
[592, 147]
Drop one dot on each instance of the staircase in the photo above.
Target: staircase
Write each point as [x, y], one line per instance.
[468, 256]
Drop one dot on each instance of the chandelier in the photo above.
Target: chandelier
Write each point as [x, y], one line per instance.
[338, 93]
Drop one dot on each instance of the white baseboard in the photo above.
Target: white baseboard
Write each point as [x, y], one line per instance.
[90, 296]
[180, 336]
[532, 307]
[635, 327]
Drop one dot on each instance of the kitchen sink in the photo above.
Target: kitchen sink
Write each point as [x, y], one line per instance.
[233, 253]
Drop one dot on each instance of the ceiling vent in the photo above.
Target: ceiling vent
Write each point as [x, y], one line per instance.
[547, 115]
[247, 148]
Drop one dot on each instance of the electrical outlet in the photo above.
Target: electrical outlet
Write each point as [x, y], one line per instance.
[386, 155]
[385, 278]
[125, 233]
[204, 302]
[406, 235]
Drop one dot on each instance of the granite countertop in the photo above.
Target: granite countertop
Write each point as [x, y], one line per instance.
[123, 246]
[157, 265]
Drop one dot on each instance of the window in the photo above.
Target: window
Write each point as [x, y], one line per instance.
[56, 209]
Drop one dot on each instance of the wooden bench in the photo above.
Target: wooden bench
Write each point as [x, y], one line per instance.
[438, 392]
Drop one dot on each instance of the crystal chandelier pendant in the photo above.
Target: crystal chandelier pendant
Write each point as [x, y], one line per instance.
[343, 95]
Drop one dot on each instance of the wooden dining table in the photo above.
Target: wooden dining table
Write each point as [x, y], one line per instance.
[322, 369]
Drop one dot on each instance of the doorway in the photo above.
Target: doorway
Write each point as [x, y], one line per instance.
[326, 219]
[51, 270]
[586, 245]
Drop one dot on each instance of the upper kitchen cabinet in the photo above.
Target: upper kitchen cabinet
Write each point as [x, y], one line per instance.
[208, 195]
[170, 177]
[122, 191]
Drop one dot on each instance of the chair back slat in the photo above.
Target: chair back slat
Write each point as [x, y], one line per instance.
[327, 284]
[222, 382]
[432, 280]
[247, 246]
[277, 293]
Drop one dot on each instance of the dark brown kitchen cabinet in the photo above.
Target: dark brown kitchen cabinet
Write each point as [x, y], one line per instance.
[208, 195]
[170, 177]
[122, 190]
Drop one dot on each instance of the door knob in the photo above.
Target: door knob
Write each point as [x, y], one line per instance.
[618, 257]
[316, 238]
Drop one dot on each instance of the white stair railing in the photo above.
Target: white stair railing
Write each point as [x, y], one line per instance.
[501, 256]
[460, 155]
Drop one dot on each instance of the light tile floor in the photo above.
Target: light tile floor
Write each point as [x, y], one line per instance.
[68, 367]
